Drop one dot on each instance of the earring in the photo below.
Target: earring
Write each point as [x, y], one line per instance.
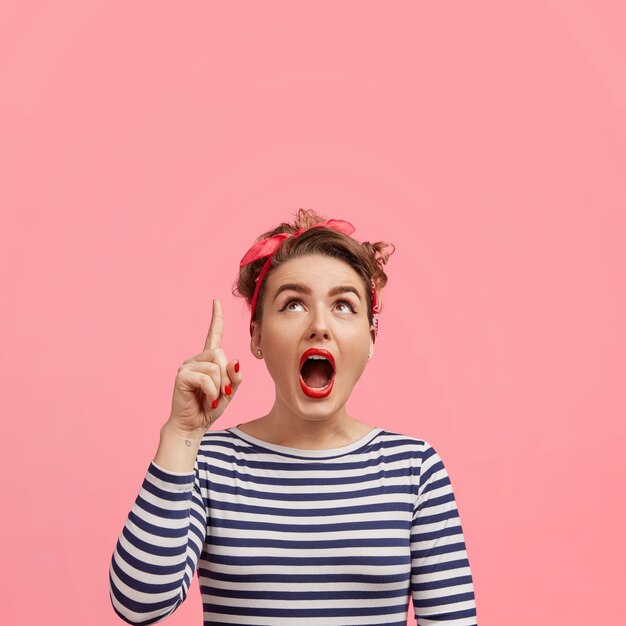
[258, 352]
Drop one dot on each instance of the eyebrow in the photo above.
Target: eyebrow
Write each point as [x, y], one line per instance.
[304, 289]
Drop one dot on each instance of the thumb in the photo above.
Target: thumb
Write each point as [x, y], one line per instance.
[233, 369]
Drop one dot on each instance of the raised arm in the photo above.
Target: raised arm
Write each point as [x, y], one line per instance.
[158, 549]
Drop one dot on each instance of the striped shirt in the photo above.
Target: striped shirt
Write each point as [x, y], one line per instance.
[282, 536]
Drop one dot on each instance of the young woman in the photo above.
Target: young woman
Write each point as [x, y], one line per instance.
[305, 515]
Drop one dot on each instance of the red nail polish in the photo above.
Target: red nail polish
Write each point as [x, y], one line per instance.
[214, 403]
[236, 367]
[227, 390]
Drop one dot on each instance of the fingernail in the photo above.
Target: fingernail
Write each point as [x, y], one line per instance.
[227, 390]
[237, 367]
[214, 403]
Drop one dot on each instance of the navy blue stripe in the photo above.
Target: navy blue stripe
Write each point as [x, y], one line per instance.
[306, 612]
[314, 496]
[170, 478]
[151, 548]
[426, 474]
[173, 496]
[307, 545]
[140, 607]
[309, 561]
[137, 623]
[443, 600]
[304, 466]
[435, 518]
[450, 616]
[340, 526]
[147, 567]
[439, 567]
[287, 480]
[292, 596]
[438, 550]
[435, 484]
[434, 535]
[143, 586]
[162, 512]
[433, 501]
[157, 531]
[376, 507]
[442, 583]
[355, 577]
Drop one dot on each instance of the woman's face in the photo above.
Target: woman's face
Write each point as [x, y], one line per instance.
[317, 302]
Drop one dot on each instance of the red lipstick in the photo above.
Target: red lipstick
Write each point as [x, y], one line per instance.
[313, 392]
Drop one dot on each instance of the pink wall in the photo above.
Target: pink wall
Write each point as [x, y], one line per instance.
[145, 145]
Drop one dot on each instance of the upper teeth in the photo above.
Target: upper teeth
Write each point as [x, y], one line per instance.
[317, 357]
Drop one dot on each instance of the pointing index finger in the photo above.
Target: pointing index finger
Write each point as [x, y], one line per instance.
[216, 328]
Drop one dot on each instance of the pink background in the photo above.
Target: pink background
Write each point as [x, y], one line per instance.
[145, 145]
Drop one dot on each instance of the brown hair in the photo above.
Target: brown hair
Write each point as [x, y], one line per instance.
[362, 257]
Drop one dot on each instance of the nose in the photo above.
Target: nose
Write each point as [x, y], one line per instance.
[319, 327]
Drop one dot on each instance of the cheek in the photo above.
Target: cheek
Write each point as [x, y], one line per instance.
[277, 368]
[357, 358]
[276, 361]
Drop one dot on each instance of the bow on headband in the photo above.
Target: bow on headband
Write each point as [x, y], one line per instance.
[268, 247]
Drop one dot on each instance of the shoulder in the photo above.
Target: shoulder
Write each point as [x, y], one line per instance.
[417, 452]
[414, 445]
[408, 451]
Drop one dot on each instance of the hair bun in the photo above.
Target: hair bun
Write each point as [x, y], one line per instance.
[305, 218]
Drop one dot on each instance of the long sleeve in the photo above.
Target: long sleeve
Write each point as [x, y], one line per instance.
[158, 549]
[441, 581]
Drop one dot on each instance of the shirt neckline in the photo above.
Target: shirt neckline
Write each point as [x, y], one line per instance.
[303, 452]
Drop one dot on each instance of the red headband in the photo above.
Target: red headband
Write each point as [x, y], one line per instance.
[268, 247]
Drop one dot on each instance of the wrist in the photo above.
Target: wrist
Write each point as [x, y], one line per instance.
[172, 430]
[177, 449]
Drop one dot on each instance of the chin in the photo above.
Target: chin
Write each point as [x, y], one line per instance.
[326, 405]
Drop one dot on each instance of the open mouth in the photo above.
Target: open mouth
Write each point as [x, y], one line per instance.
[317, 373]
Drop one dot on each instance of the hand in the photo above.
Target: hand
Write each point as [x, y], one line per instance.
[202, 380]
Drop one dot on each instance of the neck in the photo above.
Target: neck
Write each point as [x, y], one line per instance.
[315, 431]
